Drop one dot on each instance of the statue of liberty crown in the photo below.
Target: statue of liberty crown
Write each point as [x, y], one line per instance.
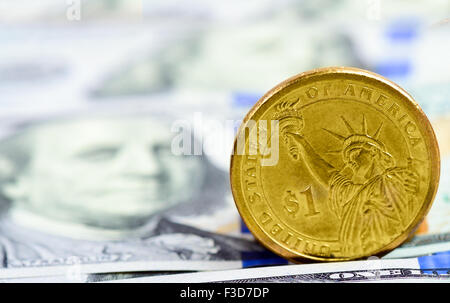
[357, 137]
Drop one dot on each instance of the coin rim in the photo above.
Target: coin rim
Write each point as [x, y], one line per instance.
[301, 257]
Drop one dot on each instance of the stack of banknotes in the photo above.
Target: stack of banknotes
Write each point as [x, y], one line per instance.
[90, 186]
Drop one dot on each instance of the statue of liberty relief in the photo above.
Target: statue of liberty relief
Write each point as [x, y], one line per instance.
[373, 198]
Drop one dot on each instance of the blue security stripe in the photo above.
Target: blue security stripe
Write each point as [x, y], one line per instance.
[442, 253]
[245, 99]
[261, 258]
[400, 35]
[394, 68]
[439, 263]
[244, 228]
[403, 29]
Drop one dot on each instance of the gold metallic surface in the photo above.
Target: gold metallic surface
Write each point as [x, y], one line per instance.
[356, 172]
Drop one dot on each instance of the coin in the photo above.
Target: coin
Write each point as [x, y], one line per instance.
[334, 164]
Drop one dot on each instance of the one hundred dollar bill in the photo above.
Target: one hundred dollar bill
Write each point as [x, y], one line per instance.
[76, 272]
[432, 268]
[107, 194]
[100, 194]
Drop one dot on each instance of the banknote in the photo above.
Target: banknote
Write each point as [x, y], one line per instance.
[186, 64]
[422, 245]
[434, 268]
[438, 217]
[78, 192]
[107, 193]
[80, 186]
[74, 275]
[77, 272]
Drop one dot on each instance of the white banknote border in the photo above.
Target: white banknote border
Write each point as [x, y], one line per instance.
[118, 267]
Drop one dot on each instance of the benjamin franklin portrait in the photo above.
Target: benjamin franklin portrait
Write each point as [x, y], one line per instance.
[107, 189]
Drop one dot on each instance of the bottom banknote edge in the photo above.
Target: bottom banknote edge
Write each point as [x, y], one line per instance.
[424, 269]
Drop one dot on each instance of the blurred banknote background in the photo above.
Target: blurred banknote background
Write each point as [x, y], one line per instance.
[91, 93]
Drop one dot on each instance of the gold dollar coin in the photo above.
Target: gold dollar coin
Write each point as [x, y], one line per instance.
[334, 164]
